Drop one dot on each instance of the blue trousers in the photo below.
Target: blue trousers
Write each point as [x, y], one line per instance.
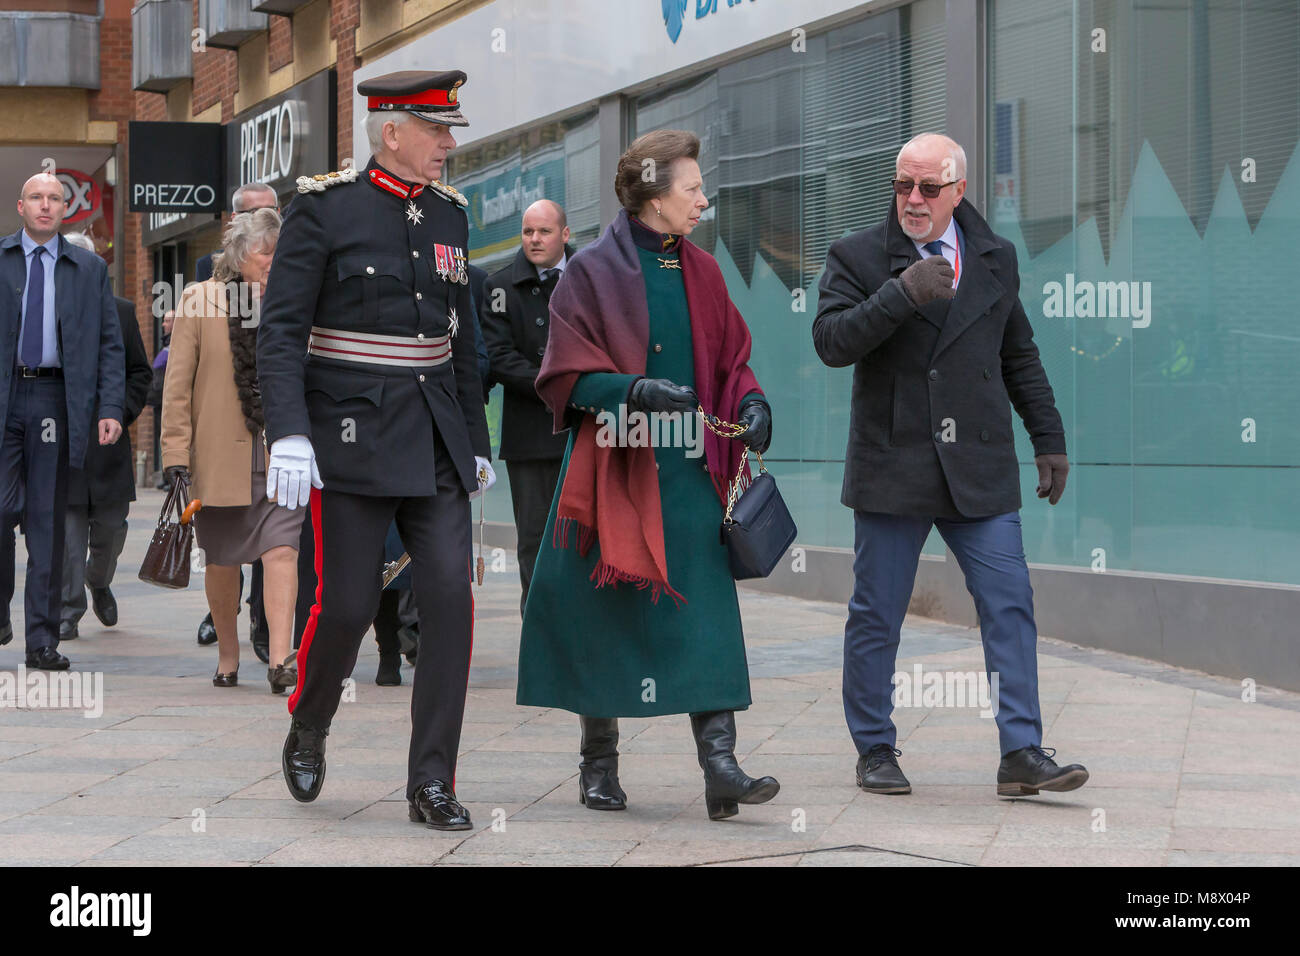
[34, 491]
[991, 555]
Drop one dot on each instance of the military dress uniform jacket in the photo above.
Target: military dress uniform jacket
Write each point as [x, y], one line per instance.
[516, 340]
[357, 257]
[930, 420]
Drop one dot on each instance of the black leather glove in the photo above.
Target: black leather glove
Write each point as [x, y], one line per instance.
[661, 395]
[758, 417]
[171, 473]
[928, 280]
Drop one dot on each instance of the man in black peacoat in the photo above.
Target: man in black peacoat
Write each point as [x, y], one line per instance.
[926, 308]
[100, 495]
[515, 315]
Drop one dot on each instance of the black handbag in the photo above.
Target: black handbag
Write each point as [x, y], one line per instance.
[757, 528]
[167, 561]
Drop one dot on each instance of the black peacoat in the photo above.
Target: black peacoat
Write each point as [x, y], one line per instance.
[930, 421]
[108, 473]
[514, 312]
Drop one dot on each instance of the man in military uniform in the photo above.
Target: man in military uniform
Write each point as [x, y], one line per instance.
[384, 418]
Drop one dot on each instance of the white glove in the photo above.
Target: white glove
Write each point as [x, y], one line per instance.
[292, 473]
[486, 476]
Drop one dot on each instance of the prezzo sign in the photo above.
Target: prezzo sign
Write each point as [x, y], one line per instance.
[175, 167]
[675, 12]
[285, 137]
[266, 143]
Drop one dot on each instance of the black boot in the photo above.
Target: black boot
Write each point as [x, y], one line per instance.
[725, 784]
[598, 787]
[303, 761]
[390, 670]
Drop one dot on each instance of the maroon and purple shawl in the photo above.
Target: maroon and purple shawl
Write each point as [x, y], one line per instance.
[600, 323]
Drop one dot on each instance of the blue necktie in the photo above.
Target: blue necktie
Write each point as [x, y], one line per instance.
[934, 248]
[33, 344]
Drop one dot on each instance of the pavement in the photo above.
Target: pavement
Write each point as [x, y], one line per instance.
[179, 773]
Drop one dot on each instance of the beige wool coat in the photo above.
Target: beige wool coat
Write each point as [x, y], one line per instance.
[202, 423]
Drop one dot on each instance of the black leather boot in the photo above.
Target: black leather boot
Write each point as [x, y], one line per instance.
[1026, 771]
[303, 761]
[598, 787]
[725, 784]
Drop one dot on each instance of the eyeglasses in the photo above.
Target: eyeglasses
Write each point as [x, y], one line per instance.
[904, 187]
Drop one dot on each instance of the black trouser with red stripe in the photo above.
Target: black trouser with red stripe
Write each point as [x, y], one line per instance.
[350, 531]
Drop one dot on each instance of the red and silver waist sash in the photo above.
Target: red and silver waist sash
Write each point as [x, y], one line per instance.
[411, 351]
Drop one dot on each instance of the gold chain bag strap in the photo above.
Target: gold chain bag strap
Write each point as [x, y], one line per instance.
[757, 527]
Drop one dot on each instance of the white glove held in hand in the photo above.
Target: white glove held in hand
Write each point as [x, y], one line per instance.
[292, 473]
[483, 467]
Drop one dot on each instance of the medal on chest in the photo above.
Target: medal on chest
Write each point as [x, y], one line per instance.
[413, 214]
[450, 263]
[453, 323]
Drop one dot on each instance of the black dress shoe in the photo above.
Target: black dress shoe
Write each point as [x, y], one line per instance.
[725, 784]
[104, 605]
[207, 631]
[225, 680]
[68, 631]
[6, 633]
[598, 787]
[47, 659]
[390, 670]
[303, 761]
[259, 637]
[1025, 771]
[878, 771]
[435, 805]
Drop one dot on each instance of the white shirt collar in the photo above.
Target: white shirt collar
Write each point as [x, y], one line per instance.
[51, 245]
[564, 261]
[949, 239]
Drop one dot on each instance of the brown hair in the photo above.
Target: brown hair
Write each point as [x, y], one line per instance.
[661, 148]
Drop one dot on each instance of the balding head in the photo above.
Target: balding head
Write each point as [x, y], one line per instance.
[41, 206]
[938, 163]
[545, 231]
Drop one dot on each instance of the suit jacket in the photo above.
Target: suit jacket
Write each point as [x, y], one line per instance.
[108, 475]
[359, 258]
[203, 424]
[89, 335]
[516, 337]
[930, 420]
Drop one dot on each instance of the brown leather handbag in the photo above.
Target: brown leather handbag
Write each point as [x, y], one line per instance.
[167, 561]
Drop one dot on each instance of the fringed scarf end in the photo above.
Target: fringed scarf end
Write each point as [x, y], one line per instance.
[605, 574]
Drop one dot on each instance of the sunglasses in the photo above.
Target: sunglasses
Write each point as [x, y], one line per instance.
[904, 187]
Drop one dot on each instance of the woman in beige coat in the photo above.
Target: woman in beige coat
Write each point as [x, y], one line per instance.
[212, 436]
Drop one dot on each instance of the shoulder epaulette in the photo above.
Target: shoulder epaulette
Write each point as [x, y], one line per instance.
[448, 192]
[323, 181]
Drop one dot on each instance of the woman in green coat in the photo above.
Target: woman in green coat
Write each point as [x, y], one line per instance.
[632, 609]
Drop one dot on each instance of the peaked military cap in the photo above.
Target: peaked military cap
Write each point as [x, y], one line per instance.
[432, 97]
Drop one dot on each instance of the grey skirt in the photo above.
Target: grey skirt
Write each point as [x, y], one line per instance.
[242, 534]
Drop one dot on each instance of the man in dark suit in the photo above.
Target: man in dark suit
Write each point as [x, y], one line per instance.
[926, 308]
[515, 315]
[64, 367]
[100, 493]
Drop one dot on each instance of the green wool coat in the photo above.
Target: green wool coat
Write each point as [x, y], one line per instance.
[610, 652]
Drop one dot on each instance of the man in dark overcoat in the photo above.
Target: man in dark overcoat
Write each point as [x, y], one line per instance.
[100, 495]
[514, 312]
[926, 308]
